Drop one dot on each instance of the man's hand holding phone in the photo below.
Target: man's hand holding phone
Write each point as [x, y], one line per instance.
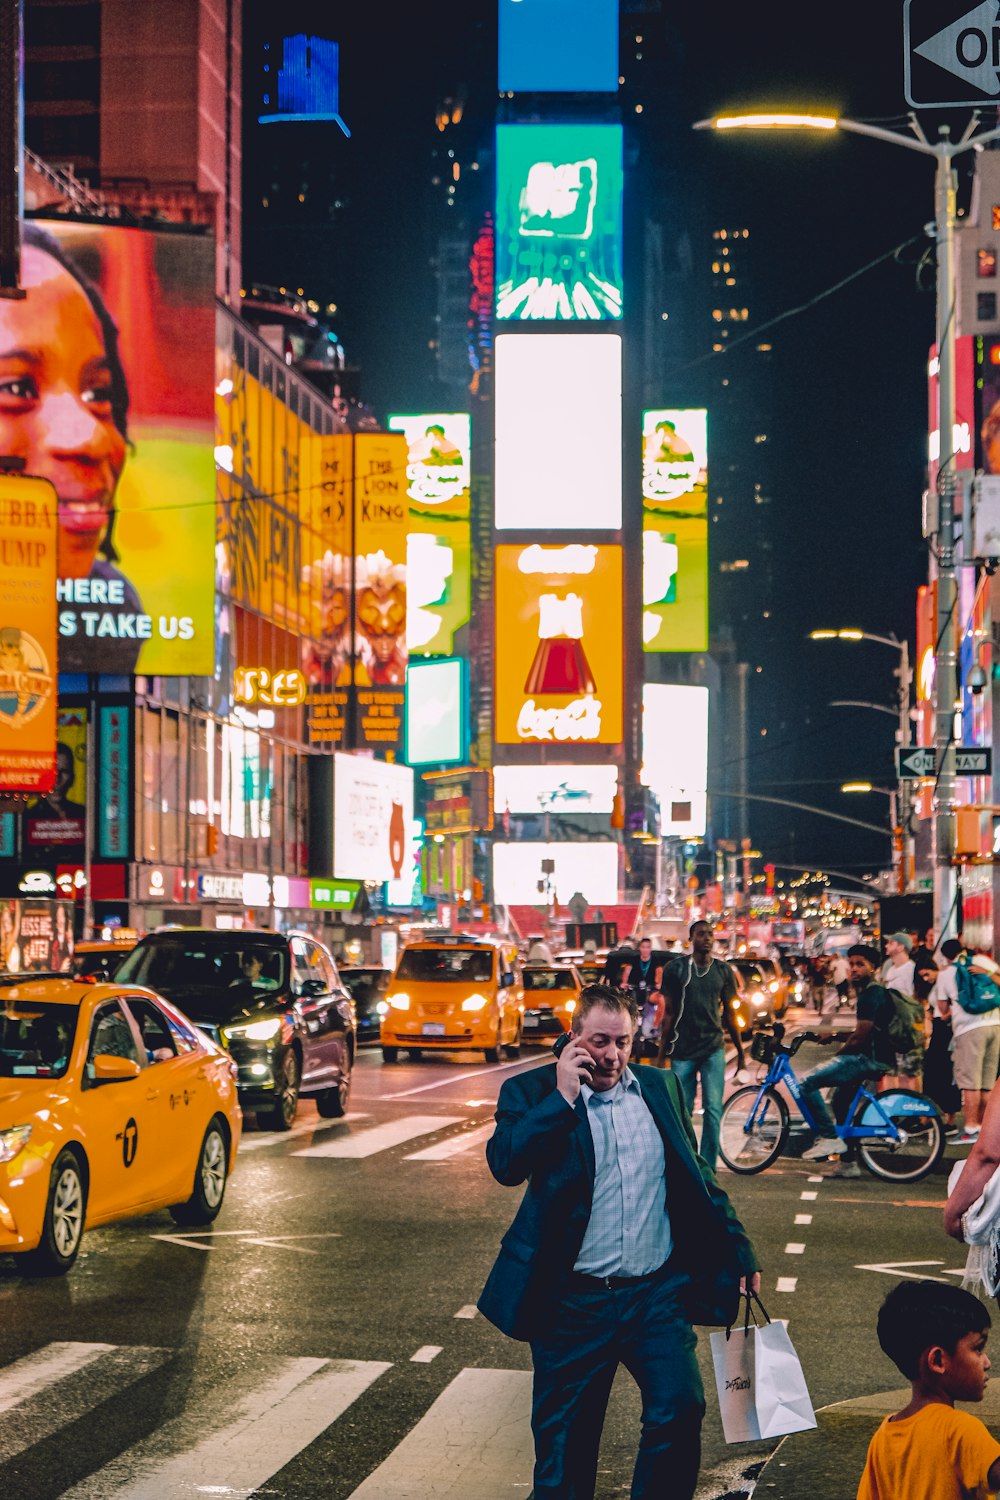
[575, 1066]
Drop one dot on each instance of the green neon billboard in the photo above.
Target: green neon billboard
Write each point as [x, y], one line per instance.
[559, 222]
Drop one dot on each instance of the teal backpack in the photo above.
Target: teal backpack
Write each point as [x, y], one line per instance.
[977, 993]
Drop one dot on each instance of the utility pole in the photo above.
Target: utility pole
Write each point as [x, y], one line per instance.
[904, 677]
[946, 676]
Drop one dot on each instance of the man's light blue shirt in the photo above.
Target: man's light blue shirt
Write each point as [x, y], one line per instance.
[629, 1229]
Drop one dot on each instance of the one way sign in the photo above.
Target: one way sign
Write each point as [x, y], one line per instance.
[954, 65]
[922, 760]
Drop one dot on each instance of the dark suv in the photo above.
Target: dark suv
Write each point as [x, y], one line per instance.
[274, 1000]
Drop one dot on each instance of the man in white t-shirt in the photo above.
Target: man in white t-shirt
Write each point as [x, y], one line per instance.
[898, 970]
[975, 1045]
[899, 973]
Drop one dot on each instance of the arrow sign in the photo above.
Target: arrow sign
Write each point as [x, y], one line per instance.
[976, 762]
[968, 48]
[915, 763]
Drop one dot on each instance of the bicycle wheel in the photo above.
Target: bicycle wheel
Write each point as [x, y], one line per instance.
[921, 1136]
[753, 1129]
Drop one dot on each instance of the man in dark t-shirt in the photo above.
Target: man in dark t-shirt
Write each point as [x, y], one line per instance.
[700, 989]
[869, 1052]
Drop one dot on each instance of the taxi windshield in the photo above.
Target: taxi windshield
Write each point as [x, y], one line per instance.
[35, 1039]
[446, 965]
[547, 979]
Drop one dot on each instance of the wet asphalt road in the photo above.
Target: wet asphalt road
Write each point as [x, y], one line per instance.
[321, 1341]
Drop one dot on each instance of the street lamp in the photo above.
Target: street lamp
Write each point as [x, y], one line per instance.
[944, 151]
[904, 677]
[898, 838]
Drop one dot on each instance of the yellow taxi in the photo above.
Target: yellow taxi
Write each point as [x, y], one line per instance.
[111, 1105]
[451, 994]
[550, 998]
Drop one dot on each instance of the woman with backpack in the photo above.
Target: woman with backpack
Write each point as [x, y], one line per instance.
[966, 993]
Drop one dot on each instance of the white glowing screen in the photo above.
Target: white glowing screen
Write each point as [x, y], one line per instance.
[591, 869]
[559, 432]
[554, 789]
[675, 754]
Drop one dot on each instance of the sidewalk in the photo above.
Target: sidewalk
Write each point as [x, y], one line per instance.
[826, 1464]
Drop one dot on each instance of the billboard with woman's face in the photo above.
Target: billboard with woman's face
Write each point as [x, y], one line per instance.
[106, 390]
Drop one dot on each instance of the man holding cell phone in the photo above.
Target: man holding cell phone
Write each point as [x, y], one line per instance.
[622, 1241]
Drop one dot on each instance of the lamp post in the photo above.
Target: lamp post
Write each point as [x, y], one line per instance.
[898, 833]
[904, 677]
[944, 151]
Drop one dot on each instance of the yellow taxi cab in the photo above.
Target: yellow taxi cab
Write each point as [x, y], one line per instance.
[451, 994]
[111, 1105]
[550, 998]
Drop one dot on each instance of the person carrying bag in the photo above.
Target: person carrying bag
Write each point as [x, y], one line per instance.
[762, 1390]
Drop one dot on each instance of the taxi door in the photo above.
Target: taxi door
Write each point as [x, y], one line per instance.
[119, 1143]
[176, 1102]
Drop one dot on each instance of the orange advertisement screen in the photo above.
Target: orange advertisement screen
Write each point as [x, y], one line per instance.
[28, 668]
[559, 645]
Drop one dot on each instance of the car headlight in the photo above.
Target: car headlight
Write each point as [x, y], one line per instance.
[399, 1001]
[14, 1140]
[475, 1002]
[257, 1031]
[734, 1005]
[774, 986]
[570, 1006]
[758, 997]
[382, 1009]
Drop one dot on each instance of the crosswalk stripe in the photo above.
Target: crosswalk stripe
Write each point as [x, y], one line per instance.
[267, 1427]
[257, 1142]
[455, 1145]
[63, 1382]
[474, 1443]
[364, 1143]
[25, 1377]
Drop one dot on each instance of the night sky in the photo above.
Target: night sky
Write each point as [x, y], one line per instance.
[850, 385]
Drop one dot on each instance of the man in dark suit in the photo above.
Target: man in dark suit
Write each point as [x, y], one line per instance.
[621, 1241]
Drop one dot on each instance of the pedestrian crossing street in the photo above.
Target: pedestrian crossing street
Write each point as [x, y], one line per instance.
[472, 1443]
[356, 1138]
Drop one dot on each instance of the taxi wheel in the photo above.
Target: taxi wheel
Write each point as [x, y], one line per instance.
[492, 1054]
[62, 1229]
[282, 1116]
[209, 1180]
[513, 1049]
[390, 1054]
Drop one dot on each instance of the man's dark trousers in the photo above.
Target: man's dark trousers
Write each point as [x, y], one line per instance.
[595, 1329]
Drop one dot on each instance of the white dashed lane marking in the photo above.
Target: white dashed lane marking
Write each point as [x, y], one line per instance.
[803, 1218]
[468, 1311]
[795, 1248]
[425, 1354]
[376, 1138]
[808, 1197]
[786, 1283]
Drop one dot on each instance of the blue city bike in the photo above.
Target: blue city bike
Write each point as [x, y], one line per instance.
[899, 1134]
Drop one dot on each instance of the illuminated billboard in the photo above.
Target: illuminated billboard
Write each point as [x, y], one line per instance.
[113, 405]
[590, 868]
[558, 432]
[438, 548]
[675, 530]
[524, 790]
[559, 222]
[28, 666]
[372, 818]
[558, 46]
[436, 709]
[675, 755]
[558, 646]
[368, 469]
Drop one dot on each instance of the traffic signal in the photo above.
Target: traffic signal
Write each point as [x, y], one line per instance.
[211, 840]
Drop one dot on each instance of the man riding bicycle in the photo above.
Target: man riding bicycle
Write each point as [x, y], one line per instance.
[869, 1052]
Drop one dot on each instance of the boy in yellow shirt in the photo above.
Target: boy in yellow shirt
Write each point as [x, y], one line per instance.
[936, 1334]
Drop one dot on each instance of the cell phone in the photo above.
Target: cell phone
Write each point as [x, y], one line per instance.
[561, 1043]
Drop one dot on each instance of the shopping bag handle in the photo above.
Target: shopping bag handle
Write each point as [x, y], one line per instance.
[751, 1311]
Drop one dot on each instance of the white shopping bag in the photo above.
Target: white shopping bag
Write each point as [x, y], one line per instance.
[762, 1391]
